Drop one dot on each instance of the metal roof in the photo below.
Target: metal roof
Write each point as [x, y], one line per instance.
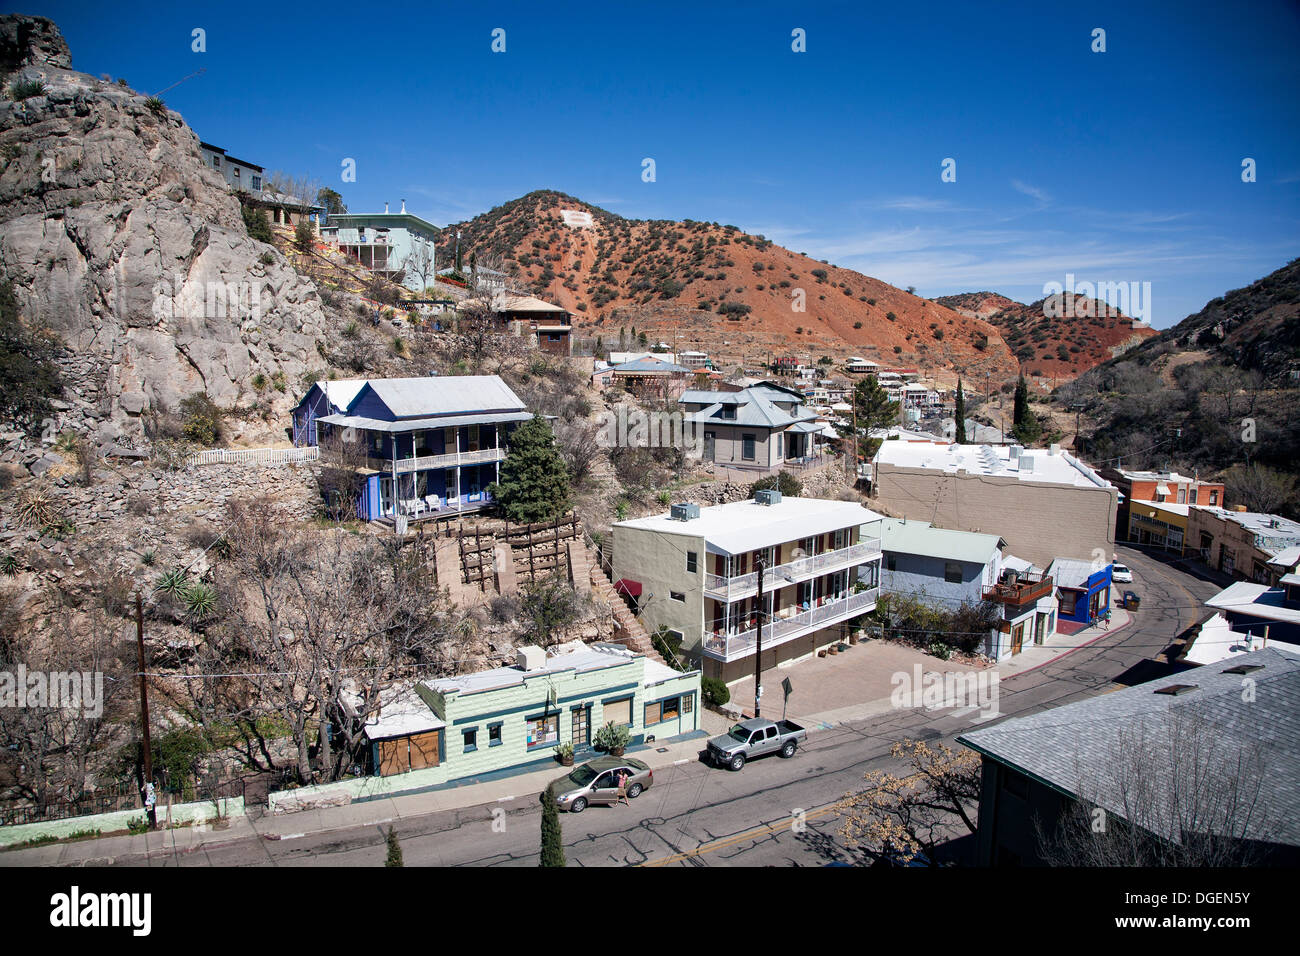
[921, 538]
[756, 407]
[650, 364]
[1255, 600]
[445, 395]
[341, 392]
[1070, 573]
[1082, 749]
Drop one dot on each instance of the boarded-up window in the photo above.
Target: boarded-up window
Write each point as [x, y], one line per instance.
[408, 753]
[619, 711]
[652, 713]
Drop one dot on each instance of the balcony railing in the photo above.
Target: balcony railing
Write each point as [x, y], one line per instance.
[794, 624]
[1025, 590]
[449, 460]
[723, 588]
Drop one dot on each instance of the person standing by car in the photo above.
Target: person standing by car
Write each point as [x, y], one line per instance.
[622, 788]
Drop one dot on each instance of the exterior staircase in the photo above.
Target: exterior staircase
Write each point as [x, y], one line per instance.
[628, 631]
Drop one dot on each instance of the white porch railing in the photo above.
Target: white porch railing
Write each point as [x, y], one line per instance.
[723, 588]
[448, 460]
[254, 456]
[782, 629]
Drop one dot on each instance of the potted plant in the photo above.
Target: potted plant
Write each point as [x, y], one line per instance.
[564, 753]
[613, 738]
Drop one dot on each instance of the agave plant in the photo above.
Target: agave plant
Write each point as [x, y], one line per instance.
[174, 583]
[9, 565]
[201, 601]
[38, 508]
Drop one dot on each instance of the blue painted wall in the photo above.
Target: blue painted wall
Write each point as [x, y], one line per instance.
[1098, 583]
[915, 574]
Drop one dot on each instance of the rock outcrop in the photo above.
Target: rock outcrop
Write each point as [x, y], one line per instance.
[119, 239]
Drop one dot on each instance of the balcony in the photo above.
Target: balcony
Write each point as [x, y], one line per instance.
[449, 460]
[1025, 590]
[794, 623]
[727, 589]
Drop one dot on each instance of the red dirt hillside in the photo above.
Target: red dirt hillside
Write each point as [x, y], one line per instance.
[716, 288]
[1056, 346]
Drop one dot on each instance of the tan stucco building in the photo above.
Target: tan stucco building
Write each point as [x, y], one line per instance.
[1044, 503]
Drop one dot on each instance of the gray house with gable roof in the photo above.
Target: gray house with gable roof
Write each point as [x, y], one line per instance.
[762, 427]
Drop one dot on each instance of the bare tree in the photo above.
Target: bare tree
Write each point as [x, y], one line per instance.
[1172, 792]
[301, 189]
[338, 476]
[420, 264]
[913, 814]
[579, 444]
[320, 622]
[1259, 487]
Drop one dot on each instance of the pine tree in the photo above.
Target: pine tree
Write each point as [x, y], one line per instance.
[961, 415]
[534, 482]
[394, 849]
[552, 835]
[874, 410]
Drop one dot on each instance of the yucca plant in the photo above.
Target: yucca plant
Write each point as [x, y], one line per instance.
[155, 106]
[9, 565]
[147, 559]
[174, 583]
[25, 89]
[38, 508]
[200, 601]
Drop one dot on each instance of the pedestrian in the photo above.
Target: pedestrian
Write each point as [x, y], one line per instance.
[622, 788]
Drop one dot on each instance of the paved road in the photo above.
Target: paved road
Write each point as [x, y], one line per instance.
[698, 816]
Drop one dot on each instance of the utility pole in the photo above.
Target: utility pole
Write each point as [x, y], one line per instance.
[144, 713]
[758, 656]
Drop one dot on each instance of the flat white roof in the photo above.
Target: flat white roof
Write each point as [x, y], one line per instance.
[401, 712]
[593, 657]
[1033, 464]
[1217, 641]
[742, 526]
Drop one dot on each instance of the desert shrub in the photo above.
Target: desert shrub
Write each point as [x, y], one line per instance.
[547, 605]
[784, 482]
[25, 89]
[202, 420]
[155, 106]
[258, 226]
[714, 691]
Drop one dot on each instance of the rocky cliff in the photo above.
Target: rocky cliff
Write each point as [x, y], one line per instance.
[119, 239]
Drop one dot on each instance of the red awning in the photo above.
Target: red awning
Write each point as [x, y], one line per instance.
[628, 586]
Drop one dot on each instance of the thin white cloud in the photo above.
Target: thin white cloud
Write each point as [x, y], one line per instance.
[1031, 191]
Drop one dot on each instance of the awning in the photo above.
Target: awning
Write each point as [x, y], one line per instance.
[628, 586]
[1163, 490]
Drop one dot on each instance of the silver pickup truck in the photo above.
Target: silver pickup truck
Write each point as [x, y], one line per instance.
[755, 738]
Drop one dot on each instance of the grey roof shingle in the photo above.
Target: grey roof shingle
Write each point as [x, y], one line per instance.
[1074, 748]
[445, 394]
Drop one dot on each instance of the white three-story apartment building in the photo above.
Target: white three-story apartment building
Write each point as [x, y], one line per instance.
[694, 572]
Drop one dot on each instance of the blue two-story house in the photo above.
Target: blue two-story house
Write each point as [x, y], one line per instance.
[426, 446]
[943, 567]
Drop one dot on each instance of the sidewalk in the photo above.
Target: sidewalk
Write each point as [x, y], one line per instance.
[515, 791]
[1034, 656]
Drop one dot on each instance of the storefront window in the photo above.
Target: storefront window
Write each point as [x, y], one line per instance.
[543, 731]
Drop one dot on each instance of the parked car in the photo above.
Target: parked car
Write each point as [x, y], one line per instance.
[1121, 574]
[597, 782]
[755, 738]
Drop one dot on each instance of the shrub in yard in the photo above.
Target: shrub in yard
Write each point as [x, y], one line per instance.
[714, 691]
[202, 420]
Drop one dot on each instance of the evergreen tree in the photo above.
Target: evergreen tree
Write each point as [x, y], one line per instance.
[874, 410]
[552, 834]
[1026, 428]
[534, 482]
[332, 202]
[961, 415]
[394, 849]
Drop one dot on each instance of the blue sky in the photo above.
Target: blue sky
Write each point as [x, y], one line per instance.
[1122, 166]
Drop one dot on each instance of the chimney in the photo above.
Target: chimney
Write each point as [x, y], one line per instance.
[385, 209]
[403, 207]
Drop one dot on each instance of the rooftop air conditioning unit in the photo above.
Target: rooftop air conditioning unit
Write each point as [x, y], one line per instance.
[684, 512]
[1015, 452]
[1026, 462]
[768, 496]
[530, 658]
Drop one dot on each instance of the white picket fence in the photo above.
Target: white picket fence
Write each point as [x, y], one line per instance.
[254, 456]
